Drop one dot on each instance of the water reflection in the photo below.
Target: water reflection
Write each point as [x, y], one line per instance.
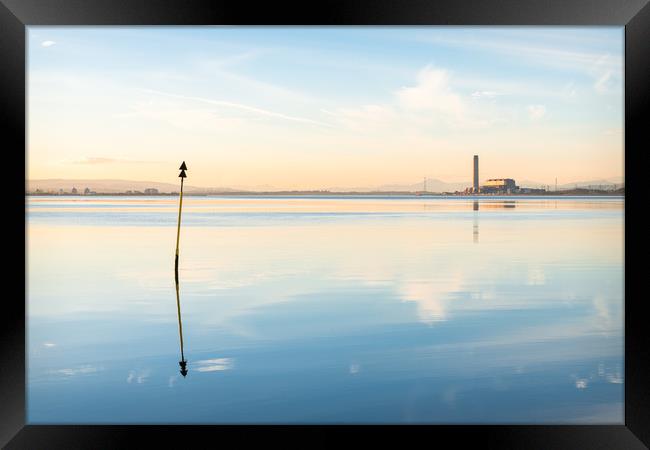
[214, 365]
[489, 204]
[317, 312]
[306, 204]
[475, 208]
[498, 204]
[182, 362]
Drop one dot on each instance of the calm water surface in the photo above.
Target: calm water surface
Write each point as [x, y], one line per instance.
[327, 310]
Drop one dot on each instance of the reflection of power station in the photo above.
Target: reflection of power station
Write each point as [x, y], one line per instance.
[475, 208]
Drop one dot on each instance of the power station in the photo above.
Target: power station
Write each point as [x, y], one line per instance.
[475, 188]
[493, 185]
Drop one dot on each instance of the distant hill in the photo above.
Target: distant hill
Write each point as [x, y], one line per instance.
[114, 186]
[110, 186]
[433, 185]
[605, 182]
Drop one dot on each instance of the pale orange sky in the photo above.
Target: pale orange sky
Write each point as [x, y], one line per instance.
[341, 107]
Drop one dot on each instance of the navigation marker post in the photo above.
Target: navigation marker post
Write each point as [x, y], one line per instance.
[182, 362]
[182, 176]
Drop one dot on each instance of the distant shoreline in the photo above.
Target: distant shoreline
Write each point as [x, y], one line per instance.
[571, 192]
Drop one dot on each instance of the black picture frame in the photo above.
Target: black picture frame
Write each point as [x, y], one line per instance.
[634, 15]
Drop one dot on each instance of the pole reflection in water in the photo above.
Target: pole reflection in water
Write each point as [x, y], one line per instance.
[182, 362]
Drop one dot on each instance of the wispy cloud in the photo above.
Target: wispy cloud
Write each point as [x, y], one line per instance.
[433, 93]
[216, 70]
[430, 101]
[188, 119]
[536, 112]
[531, 51]
[47, 43]
[364, 117]
[228, 60]
[241, 107]
[485, 94]
[535, 51]
[93, 160]
[569, 91]
[604, 82]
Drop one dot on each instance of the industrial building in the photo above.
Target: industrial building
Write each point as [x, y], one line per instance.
[493, 185]
[475, 187]
[499, 186]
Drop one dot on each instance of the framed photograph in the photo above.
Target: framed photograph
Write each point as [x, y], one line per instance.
[402, 219]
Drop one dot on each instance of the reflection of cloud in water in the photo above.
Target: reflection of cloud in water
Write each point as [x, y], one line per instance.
[150, 279]
[536, 276]
[214, 365]
[615, 378]
[219, 276]
[138, 376]
[431, 296]
[603, 315]
[77, 370]
[229, 274]
[354, 369]
[603, 374]
[225, 277]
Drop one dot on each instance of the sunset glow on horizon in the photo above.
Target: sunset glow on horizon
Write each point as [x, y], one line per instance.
[325, 107]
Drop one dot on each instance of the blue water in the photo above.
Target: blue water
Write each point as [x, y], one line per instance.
[326, 310]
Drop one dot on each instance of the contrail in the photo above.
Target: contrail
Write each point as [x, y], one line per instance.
[247, 108]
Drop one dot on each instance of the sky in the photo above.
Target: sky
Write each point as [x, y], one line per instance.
[325, 107]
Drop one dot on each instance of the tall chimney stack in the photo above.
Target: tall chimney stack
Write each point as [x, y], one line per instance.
[476, 188]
